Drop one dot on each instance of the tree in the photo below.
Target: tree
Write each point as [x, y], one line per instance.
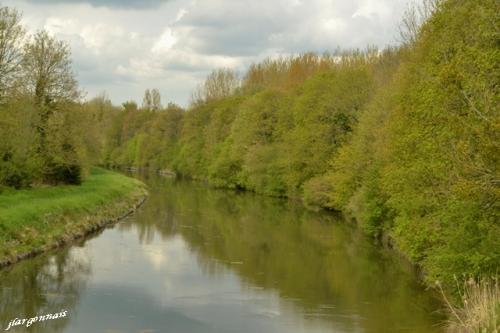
[47, 79]
[413, 19]
[11, 37]
[219, 84]
[155, 100]
[147, 100]
[130, 106]
[46, 71]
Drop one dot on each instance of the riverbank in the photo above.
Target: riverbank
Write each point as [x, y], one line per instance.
[35, 220]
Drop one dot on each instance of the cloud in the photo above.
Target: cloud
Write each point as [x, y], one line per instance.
[127, 46]
[164, 42]
[132, 4]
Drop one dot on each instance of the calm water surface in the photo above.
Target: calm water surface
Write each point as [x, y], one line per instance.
[195, 259]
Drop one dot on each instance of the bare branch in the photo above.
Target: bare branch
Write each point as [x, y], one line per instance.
[11, 38]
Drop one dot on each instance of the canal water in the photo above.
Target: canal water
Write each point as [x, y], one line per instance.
[197, 259]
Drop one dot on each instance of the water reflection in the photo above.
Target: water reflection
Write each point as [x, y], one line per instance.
[44, 285]
[195, 259]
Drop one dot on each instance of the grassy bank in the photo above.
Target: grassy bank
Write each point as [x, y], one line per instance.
[33, 220]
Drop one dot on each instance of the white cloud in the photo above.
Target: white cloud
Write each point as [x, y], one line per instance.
[180, 14]
[370, 9]
[56, 25]
[99, 36]
[165, 42]
[334, 24]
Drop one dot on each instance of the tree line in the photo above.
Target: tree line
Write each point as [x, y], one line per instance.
[405, 140]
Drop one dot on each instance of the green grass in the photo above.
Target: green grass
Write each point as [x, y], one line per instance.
[32, 220]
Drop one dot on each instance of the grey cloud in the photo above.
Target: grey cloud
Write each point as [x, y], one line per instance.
[243, 28]
[236, 41]
[132, 4]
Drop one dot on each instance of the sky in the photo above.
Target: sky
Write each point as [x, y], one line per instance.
[123, 47]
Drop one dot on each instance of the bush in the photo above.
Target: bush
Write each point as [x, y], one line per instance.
[63, 174]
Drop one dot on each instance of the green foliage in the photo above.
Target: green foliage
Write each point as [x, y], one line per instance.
[443, 154]
[141, 138]
[255, 142]
[323, 116]
[60, 155]
[19, 164]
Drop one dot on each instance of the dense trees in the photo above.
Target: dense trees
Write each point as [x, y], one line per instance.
[450, 191]
[423, 162]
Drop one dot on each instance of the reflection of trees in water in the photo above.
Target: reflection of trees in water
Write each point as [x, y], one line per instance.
[43, 285]
[156, 215]
[312, 257]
